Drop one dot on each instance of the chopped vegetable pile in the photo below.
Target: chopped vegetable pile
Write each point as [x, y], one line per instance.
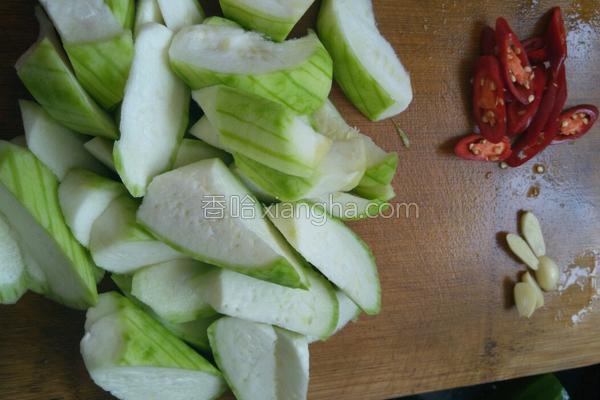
[225, 236]
[519, 91]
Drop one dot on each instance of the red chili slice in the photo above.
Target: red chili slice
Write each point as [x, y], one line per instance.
[556, 39]
[545, 125]
[521, 115]
[536, 50]
[576, 122]
[488, 42]
[477, 148]
[489, 108]
[534, 43]
[518, 73]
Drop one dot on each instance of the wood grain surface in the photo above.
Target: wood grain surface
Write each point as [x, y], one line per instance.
[447, 316]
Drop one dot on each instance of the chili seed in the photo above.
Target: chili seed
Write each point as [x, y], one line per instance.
[531, 97]
[503, 165]
[492, 86]
[513, 78]
[585, 121]
[528, 69]
[565, 124]
[498, 150]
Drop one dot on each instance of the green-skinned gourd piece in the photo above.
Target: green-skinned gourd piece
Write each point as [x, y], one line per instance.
[195, 332]
[263, 130]
[216, 20]
[274, 18]
[152, 125]
[13, 273]
[29, 201]
[171, 290]
[178, 14]
[313, 312]
[84, 196]
[59, 148]
[129, 354]
[350, 207]
[296, 73]
[365, 64]
[147, 11]
[192, 150]
[102, 150]
[203, 211]
[45, 72]
[260, 361]
[333, 249]
[119, 244]
[97, 38]
[124, 12]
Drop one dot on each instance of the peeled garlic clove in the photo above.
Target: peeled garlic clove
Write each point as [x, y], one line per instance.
[530, 280]
[522, 250]
[525, 299]
[547, 274]
[532, 232]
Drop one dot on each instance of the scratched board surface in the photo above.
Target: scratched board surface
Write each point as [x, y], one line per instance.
[447, 317]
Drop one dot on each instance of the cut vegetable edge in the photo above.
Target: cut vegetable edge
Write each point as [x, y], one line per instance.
[228, 293]
[178, 14]
[379, 88]
[151, 127]
[13, 272]
[274, 19]
[192, 150]
[194, 332]
[349, 207]
[131, 355]
[333, 249]
[296, 73]
[120, 245]
[102, 68]
[172, 291]
[29, 201]
[83, 197]
[102, 150]
[44, 71]
[263, 254]
[59, 148]
[274, 365]
[274, 140]
[147, 11]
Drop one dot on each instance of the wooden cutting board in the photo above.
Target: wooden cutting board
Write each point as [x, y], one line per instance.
[447, 316]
